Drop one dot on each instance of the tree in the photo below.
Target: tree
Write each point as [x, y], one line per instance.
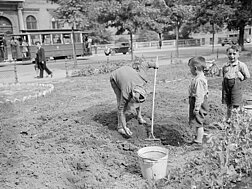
[83, 14]
[181, 14]
[213, 12]
[73, 12]
[126, 15]
[158, 18]
[147, 35]
[242, 16]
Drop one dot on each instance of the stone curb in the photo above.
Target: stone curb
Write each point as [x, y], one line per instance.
[25, 98]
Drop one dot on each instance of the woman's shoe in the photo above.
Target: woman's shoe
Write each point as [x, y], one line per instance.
[125, 132]
[141, 121]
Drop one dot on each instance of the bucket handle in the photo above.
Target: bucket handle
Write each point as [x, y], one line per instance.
[150, 159]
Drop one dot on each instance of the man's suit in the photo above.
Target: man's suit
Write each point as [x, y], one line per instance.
[41, 62]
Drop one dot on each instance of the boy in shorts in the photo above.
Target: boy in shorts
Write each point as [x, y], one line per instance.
[198, 94]
[234, 73]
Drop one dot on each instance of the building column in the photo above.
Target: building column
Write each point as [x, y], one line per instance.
[20, 16]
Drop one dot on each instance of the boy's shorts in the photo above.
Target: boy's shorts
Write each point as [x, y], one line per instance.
[199, 119]
[232, 91]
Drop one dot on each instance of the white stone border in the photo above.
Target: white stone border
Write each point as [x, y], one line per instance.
[43, 93]
[171, 81]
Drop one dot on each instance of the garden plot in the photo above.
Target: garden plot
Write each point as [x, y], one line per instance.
[68, 138]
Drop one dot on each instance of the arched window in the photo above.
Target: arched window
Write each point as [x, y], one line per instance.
[31, 22]
[5, 25]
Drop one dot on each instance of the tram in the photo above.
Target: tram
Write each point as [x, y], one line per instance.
[58, 43]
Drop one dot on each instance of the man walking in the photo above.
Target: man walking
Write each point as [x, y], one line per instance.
[41, 60]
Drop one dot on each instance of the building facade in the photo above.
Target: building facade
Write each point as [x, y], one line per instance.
[18, 15]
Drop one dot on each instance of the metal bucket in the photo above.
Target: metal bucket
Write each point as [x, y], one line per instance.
[153, 162]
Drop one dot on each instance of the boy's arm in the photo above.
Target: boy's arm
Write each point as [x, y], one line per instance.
[200, 94]
[245, 71]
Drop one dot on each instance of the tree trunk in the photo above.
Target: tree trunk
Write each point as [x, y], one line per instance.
[241, 36]
[160, 40]
[177, 38]
[131, 45]
[213, 28]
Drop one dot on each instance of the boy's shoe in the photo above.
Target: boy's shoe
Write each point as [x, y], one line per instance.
[194, 145]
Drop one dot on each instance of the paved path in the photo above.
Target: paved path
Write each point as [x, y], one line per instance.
[26, 73]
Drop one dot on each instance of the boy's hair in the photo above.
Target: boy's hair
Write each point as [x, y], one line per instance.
[198, 62]
[236, 48]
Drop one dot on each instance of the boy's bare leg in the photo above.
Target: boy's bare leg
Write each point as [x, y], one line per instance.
[200, 134]
[229, 113]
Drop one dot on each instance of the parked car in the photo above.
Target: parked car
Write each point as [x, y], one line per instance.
[228, 41]
[248, 40]
[121, 47]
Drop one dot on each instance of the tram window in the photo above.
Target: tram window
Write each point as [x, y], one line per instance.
[46, 39]
[56, 38]
[77, 37]
[34, 38]
[66, 38]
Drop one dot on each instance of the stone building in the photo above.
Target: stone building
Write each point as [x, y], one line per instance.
[17, 15]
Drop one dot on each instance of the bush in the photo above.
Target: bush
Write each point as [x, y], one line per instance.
[102, 68]
[226, 160]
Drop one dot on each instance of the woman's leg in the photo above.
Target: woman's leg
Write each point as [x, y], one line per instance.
[121, 109]
[139, 115]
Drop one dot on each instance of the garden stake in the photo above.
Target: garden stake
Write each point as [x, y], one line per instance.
[152, 137]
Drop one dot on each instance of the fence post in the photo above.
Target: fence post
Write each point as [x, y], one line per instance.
[171, 57]
[66, 67]
[15, 71]
[217, 55]
[107, 59]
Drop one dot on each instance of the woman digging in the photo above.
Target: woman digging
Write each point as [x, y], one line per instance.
[128, 84]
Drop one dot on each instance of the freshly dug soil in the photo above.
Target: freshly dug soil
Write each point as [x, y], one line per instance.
[68, 139]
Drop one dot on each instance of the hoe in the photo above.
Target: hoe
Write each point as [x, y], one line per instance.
[152, 137]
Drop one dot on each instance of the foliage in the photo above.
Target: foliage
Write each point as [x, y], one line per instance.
[160, 15]
[127, 15]
[122, 39]
[146, 35]
[242, 16]
[225, 161]
[212, 12]
[73, 12]
[101, 36]
[101, 68]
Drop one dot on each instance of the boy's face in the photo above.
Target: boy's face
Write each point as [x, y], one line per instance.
[193, 70]
[233, 55]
